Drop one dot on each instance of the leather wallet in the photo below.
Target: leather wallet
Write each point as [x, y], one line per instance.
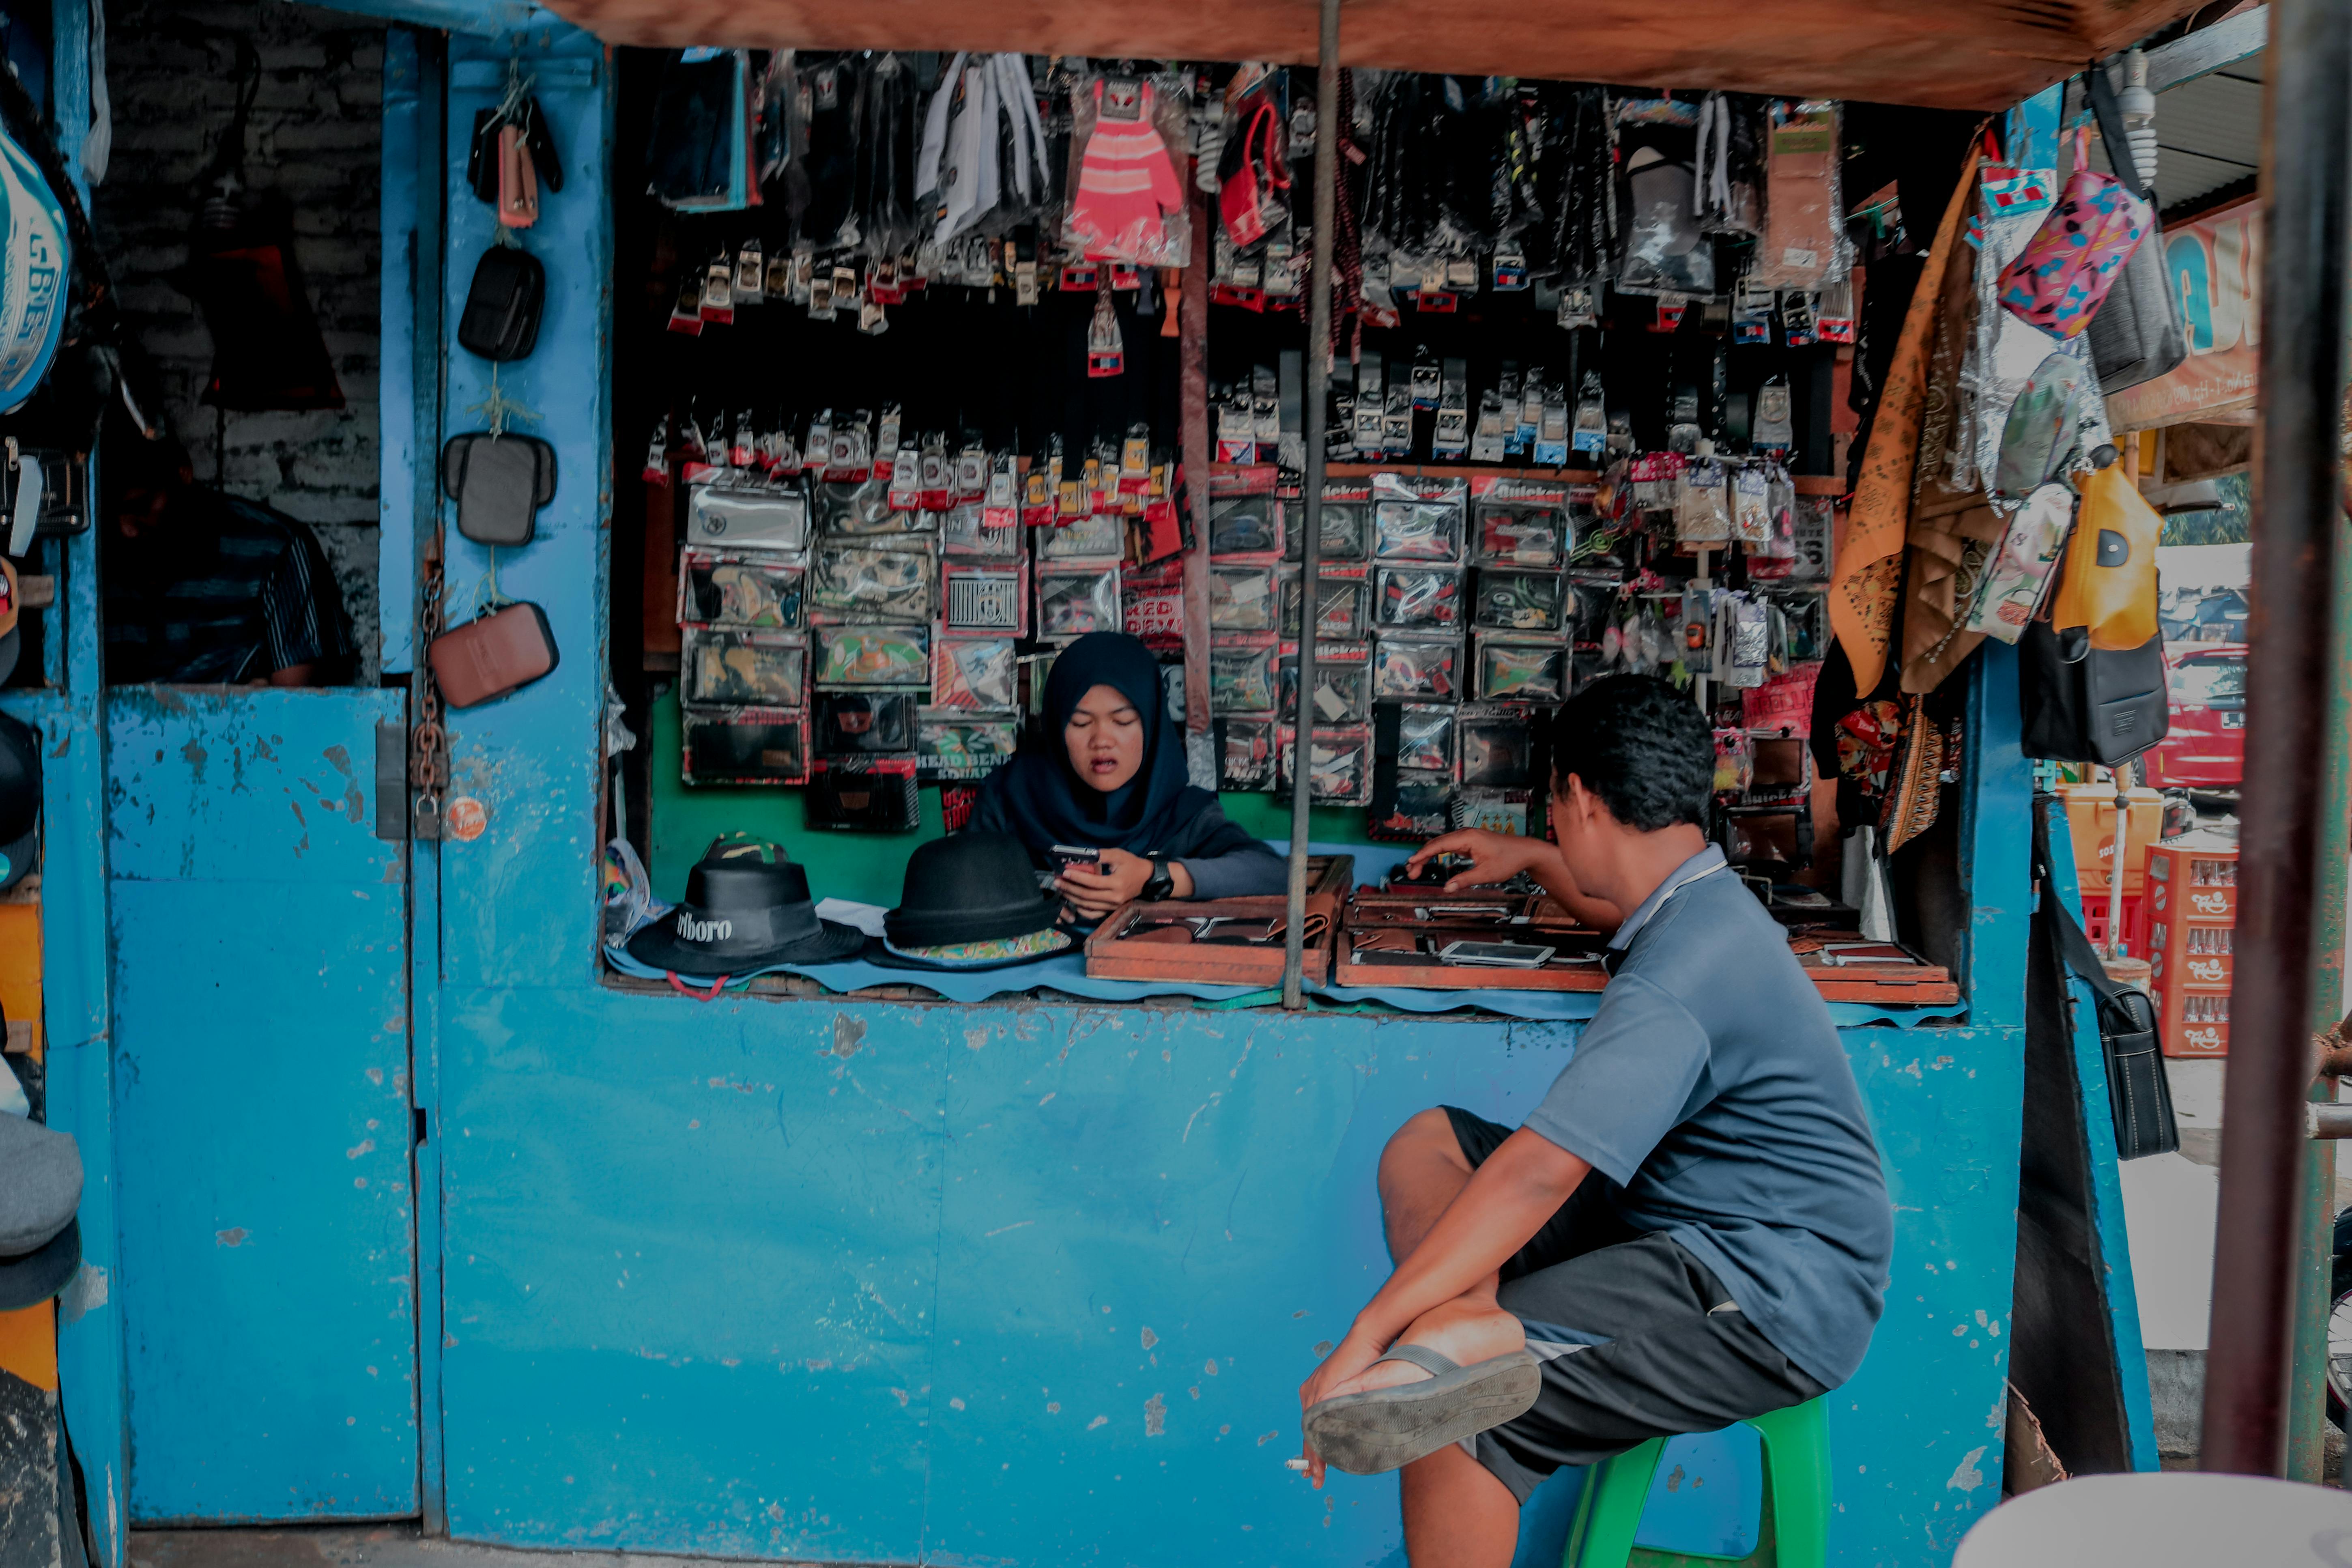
[498, 482]
[501, 321]
[492, 655]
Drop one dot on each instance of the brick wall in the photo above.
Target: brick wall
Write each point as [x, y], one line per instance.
[314, 136]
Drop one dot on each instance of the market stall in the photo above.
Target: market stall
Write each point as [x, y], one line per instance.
[846, 1263]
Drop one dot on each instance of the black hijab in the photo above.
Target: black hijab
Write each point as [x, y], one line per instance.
[1045, 800]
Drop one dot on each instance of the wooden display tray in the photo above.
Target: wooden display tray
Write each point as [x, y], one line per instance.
[1113, 955]
[1426, 971]
[1877, 972]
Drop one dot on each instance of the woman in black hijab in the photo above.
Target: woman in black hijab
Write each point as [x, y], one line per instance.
[1110, 777]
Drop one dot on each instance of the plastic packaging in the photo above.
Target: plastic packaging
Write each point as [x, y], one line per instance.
[1071, 602]
[1497, 749]
[1100, 536]
[1126, 203]
[1244, 753]
[849, 581]
[1241, 598]
[1347, 515]
[1519, 601]
[976, 597]
[1343, 683]
[1246, 526]
[1418, 669]
[744, 670]
[747, 518]
[1425, 737]
[1417, 519]
[1343, 611]
[1338, 763]
[1804, 244]
[1418, 597]
[745, 747]
[1514, 670]
[1242, 673]
[964, 530]
[975, 674]
[896, 656]
[957, 748]
[751, 592]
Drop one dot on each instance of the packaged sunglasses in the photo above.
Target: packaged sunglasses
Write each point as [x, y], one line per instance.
[1071, 602]
[1242, 673]
[1346, 517]
[1245, 526]
[1338, 763]
[1519, 601]
[1345, 610]
[1514, 670]
[1343, 683]
[1417, 669]
[1417, 519]
[1241, 598]
[1419, 597]
[981, 674]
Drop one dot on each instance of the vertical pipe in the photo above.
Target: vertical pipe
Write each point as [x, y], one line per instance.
[1192, 307]
[1327, 133]
[2306, 1432]
[2307, 164]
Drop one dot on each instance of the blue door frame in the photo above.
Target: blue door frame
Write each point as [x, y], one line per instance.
[854, 1280]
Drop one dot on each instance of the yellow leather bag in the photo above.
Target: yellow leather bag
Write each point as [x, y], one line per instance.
[2109, 583]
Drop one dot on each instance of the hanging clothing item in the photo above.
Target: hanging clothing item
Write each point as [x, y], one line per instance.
[883, 207]
[1127, 184]
[982, 137]
[1578, 183]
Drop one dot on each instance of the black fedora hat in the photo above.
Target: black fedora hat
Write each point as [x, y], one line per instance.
[746, 907]
[20, 799]
[970, 886]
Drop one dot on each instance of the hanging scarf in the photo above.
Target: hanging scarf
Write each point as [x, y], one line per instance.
[1045, 800]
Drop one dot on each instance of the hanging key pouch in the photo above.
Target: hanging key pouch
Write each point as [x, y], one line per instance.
[498, 482]
[503, 304]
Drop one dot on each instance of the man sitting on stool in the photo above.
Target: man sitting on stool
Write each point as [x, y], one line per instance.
[1728, 1255]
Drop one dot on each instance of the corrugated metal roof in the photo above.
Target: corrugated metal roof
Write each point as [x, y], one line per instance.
[2209, 131]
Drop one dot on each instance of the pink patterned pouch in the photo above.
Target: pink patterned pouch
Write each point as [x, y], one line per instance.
[2057, 283]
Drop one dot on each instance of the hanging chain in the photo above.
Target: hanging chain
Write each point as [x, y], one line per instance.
[428, 751]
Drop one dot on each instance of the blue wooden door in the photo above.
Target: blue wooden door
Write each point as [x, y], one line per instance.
[267, 1206]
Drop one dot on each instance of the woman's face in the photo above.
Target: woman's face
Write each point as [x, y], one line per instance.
[1105, 739]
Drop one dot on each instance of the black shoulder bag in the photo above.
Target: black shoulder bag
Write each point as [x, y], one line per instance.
[2139, 1097]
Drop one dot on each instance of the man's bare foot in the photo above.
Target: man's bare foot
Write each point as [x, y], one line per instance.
[1472, 1329]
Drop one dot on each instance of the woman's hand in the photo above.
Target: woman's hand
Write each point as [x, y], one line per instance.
[1494, 856]
[1354, 1355]
[1094, 894]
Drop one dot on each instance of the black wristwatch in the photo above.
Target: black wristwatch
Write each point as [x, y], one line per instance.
[1162, 883]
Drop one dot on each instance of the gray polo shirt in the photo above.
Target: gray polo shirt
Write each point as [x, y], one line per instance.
[1711, 1090]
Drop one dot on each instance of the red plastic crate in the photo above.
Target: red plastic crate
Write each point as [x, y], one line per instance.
[2094, 924]
[2193, 1020]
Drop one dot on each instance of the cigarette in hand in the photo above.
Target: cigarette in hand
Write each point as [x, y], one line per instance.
[1295, 1462]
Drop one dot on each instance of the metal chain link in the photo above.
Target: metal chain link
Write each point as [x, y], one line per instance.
[428, 751]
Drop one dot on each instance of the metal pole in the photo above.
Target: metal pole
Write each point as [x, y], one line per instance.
[2307, 1431]
[2308, 160]
[1328, 133]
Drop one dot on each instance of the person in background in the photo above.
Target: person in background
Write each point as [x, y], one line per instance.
[206, 588]
[1110, 777]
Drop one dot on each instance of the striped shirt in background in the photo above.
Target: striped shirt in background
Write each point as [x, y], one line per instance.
[221, 590]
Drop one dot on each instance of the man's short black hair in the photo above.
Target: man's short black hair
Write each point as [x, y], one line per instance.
[1643, 748]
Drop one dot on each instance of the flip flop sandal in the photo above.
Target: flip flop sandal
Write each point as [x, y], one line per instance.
[1371, 1433]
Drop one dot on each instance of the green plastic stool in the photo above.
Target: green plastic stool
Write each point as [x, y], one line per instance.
[1796, 1481]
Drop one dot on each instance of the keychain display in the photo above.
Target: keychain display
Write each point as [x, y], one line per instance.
[1344, 612]
[724, 667]
[1242, 676]
[755, 593]
[1241, 598]
[853, 582]
[745, 747]
[1417, 669]
[963, 748]
[1519, 601]
[854, 656]
[975, 675]
[1417, 597]
[1072, 602]
[1417, 519]
[1343, 683]
[1515, 670]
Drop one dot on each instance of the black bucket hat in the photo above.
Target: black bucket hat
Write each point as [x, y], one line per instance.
[746, 907]
[40, 1187]
[20, 799]
[970, 886]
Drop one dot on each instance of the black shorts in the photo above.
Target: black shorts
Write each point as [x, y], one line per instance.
[1636, 1337]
